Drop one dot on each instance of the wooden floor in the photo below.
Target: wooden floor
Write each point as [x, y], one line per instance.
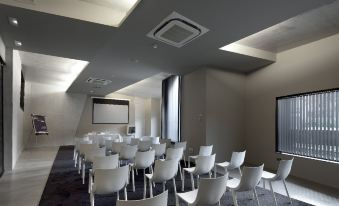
[25, 184]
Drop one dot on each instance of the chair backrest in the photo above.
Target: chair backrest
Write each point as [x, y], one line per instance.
[107, 181]
[159, 149]
[108, 144]
[144, 160]
[167, 141]
[160, 200]
[181, 144]
[145, 138]
[97, 152]
[155, 140]
[237, 159]
[211, 190]
[135, 141]
[205, 150]
[106, 162]
[128, 152]
[284, 169]
[174, 153]
[116, 147]
[165, 170]
[86, 148]
[250, 178]
[127, 139]
[144, 145]
[204, 164]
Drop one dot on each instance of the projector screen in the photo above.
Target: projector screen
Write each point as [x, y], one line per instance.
[110, 111]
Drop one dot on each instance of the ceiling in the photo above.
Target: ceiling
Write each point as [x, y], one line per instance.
[147, 88]
[48, 69]
[304, 28]
[125, 55]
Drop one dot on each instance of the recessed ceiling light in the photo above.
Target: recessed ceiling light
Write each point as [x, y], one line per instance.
[91, 91]
[17, 43]
[13, 21]
[155, 46]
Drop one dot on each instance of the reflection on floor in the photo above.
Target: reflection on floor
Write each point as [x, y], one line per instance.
[25, 184]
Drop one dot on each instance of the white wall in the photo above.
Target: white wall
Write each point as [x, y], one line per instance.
[17, 121]
[311, 67]
[62, 111]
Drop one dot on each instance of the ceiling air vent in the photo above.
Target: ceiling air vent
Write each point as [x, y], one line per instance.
[177, 30]
[98, 81]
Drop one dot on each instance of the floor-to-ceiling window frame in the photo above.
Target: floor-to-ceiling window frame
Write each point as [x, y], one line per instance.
[2, 63]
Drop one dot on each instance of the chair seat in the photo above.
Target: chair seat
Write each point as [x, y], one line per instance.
[267, 175]
[223, 164]
[194, 157]
[149, 176]
[189, 197]
[189, 169]
[233, 183]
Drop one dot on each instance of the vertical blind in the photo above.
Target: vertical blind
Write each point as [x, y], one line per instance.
[308, 125]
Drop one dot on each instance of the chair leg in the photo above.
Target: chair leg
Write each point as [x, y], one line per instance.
[234, 196]
[79, 164]
[192, 181]
[264, 183]
[256, 196]
[179, 166]
[275, 200]
[150, 188]
[209, 174]
[92, 199]
[287, 191]
[185, 160]
[240, 171]
[125, 193]
[215, 171]
[83, 172]
[198, 177]
[118, 196]
[90, 182]
[75, 159]
[133, 183]
[189, 162]
[144, 185]
[136, 171]
[163, 186]
[175, 187]
[183, 181]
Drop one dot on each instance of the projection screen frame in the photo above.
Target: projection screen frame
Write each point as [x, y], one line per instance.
[97, 100]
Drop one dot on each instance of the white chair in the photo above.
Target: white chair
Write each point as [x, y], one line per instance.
[175, 154]
[144, 145]
[103, 162]
[282, 173]
[83, 149]
[127, 139]
[182, 145]
[163, 172]
[237, 160]
[135, 141]
[145, 138]
[108, 145]
[155, 140]
[160, 200]
[79, 141]
[204, 165]
[143, 160]
[127, 153]
[209, 192]
[89, 157]
[116, 147]
[203, 151]
[249, 180]
[109, 181]
[160, 150]
[167, 141]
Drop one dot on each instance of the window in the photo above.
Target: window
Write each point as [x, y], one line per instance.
[308, 125]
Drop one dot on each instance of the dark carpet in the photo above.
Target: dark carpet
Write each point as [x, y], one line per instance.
[64, 187]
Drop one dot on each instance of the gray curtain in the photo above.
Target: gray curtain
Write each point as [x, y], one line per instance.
[170, 108]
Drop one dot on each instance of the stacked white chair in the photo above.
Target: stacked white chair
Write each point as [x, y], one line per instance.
[144, 145]
[89, 157]
[175, 154]
[127, 139]
[103, 162]
[163, 171]
[282, 173]
[249, 180]
[204, 165]
[203, 151]
[160, 200]
[76, 154]
[237, 160]
[109, 181]
[127, 153]
[209, 192]
[83, 149]
[116, 147]
[143, 160]
[135, 141]
[155, 140]
[167, 142]
[160, 150]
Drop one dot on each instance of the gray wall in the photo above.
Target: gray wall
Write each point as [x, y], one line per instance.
[310, 67]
